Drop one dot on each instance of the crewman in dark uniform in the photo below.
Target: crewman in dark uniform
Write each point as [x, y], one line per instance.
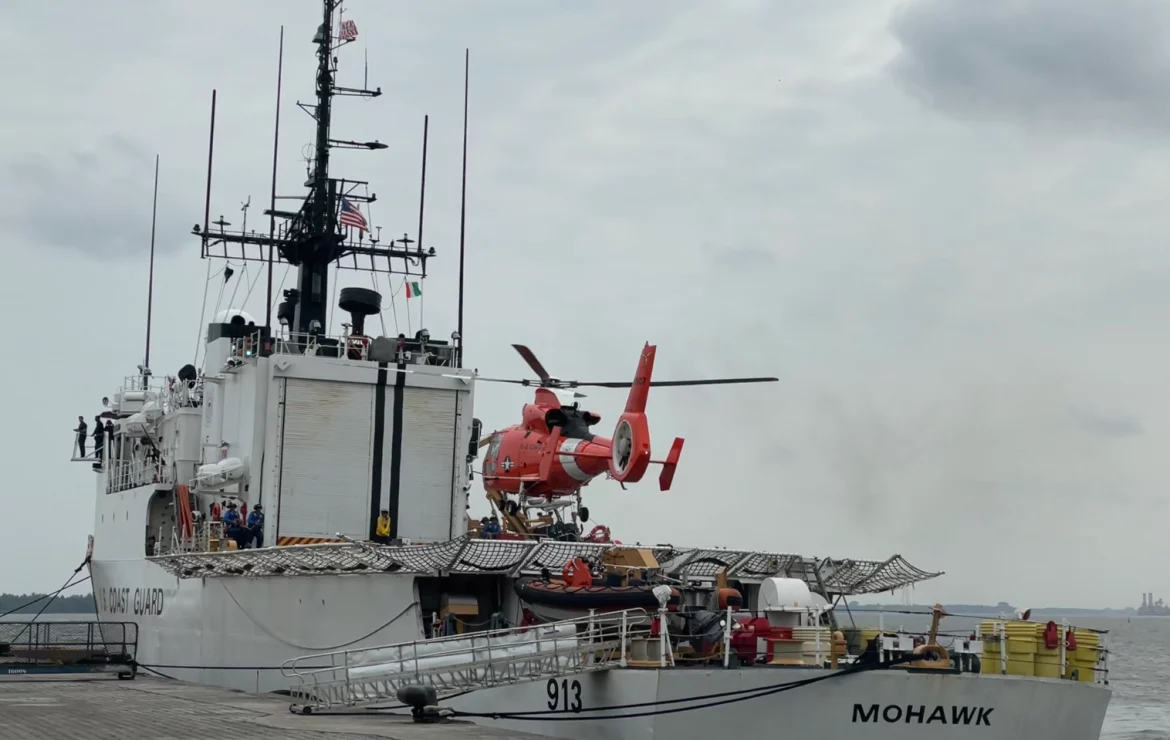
[99, 437]
[82, 432]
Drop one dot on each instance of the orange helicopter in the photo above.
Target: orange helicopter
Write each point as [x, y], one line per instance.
[552, 454]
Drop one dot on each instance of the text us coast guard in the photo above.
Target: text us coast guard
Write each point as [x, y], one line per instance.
[141, 602]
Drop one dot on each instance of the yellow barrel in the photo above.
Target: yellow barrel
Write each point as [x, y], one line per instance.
[990, 658]
[1047, 661]
[1021, 647]
[1083, 660]
[865, 635]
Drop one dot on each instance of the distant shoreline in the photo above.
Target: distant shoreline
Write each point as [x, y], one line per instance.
[20, 604]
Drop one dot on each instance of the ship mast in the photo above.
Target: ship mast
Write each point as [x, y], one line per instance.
[312, 238]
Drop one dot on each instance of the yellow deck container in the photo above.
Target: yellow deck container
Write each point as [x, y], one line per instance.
[1021, 647]
[1083, 660]
[1047, 661]
[989, 663]
[866, 634]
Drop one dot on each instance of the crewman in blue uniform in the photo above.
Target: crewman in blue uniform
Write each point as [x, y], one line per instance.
[255, 532]
[491, 530]
[232, 526]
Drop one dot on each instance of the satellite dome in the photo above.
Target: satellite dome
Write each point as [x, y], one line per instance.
[227, 315]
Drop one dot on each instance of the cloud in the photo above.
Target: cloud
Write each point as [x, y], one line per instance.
[1088, 66]
[1105, 425]
[95, 201]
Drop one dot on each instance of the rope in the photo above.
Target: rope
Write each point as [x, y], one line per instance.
[241, 279]
[68, 584]
[980, 617]
[202, 313]
[724, 698]
[381, 315]
[244, 303]
[332, 301]
[276, 294]
[306, 647]
[50, 597]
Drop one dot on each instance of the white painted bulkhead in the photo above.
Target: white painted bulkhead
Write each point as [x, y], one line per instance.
[236, 632]
[320, 448]
[304, 428]
[326, 453]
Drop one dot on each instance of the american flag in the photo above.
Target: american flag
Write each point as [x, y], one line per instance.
[351, 216]
[348, 31]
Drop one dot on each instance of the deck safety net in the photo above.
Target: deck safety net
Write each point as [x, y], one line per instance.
[514, 558]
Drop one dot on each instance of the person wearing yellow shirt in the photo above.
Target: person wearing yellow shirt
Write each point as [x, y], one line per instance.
[382, 532]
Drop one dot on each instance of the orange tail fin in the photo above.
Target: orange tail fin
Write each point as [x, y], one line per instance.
[640, 390]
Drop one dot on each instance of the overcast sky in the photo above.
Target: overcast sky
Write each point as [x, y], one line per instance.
[940, 223]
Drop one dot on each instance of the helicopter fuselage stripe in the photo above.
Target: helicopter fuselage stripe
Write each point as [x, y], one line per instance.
[569, 462]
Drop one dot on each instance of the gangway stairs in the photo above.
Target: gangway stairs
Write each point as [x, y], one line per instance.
[460, 663]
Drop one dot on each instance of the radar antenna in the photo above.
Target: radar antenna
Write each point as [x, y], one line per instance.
[315, 235]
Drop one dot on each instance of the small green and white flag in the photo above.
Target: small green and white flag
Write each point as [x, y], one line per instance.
[413, 289]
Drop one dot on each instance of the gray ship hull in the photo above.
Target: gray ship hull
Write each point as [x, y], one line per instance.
[236, 633]
[883, 704]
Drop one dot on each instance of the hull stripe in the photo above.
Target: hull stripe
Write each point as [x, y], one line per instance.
[379, 443]
[396, 448]
[286, 541]
[569, 462]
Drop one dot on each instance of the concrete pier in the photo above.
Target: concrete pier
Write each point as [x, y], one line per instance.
[147, 709]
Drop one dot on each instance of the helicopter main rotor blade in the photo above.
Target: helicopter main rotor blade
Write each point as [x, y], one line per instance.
[677, 383]
[508, 380]
[533, 363]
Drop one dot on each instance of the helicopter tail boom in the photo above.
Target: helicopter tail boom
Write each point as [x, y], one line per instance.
[640, 388]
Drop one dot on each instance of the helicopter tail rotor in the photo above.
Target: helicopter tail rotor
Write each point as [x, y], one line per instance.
[631, 437]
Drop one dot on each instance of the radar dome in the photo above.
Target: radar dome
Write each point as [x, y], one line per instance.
[233, 316]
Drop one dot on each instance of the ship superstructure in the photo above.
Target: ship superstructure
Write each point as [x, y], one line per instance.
[324, 433]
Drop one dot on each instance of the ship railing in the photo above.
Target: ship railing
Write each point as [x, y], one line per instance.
[303, 343]
[207, 536]
[468, 661]
[1087, 662]
[439, 353]
[182, 394]
[68, 647]
[137, 383]
[123, 475]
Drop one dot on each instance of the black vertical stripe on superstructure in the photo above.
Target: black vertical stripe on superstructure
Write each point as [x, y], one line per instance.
[379, 443]
[396, 448]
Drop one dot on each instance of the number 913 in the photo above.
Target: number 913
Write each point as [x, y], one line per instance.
[564, 695]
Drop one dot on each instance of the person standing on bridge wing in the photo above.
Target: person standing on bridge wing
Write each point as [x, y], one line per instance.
[382, 530]
[99, 437]
[82, 431]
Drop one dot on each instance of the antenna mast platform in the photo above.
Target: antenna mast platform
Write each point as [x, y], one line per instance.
[312, 237]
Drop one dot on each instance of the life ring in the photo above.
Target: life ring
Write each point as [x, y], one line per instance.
[600, 533]
[576, 574]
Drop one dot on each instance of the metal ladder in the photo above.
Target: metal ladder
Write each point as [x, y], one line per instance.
[459, 663]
